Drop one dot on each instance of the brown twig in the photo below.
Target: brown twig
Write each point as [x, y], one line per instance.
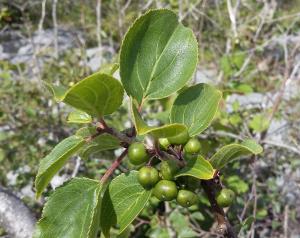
[114, 165]
[224, 226]
[102, 126]
[91, 137]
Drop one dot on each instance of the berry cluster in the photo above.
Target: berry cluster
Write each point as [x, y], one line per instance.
[162, 180]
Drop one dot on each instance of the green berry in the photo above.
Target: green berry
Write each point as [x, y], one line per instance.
[148, 176]
[225, 197]
[137, 153]
[164, 143]
[165, 190]
[168, 169]
[186, 198]
[193, 146]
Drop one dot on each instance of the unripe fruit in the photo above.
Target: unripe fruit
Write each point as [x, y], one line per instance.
[168, 169]
[225, 197]
[186, 198]
[164, 143]
[193, 146]
[148, 176]
[137, 153]
[180, 139]
[165, 190]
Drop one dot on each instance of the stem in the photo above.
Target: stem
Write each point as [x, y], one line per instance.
[174, 152]
[224, 226]
[91, 137]
[114, 165]
[165, 156]
[102, 126]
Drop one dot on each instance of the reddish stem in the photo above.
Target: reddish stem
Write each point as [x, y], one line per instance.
[102, 126]
[113, 166]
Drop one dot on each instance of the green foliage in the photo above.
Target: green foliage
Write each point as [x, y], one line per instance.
[101, 143]
[231, 152]
[58, 92]
[157, 59]
[232, 63]
[181, 225]
[53, 162]
[142, 128]
[122, 202]
[158, 56]
[196, 107]
[77, 202]
[259, 123]
[97, 95]
[197, 167]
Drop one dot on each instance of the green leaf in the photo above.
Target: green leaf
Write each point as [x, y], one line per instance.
[98, 95]
[244, 88]
[53, 162]
[79, 117]
[181, 225]
[196, 107]
[231, 152]
[100, 143]
[73, 210]
[122, 202]
[165, 131]
[158, 56]
[259, 123]
[197, 167]
[158, 231]
[198, 216]
[58, 92]
[232, 63]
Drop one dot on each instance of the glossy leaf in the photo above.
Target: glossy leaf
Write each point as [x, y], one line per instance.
[197, 167]
[196, 107]
[158, 56]
[79, 117]
[73, 210]
[54, 161]
[98, 95]
[165, 131]
[122, 202]
[100, 143]
[231, 152]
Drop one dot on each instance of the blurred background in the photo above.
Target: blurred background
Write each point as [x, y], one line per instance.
[249, 49]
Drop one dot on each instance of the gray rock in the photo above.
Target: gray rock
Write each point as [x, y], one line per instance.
[17, 220]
